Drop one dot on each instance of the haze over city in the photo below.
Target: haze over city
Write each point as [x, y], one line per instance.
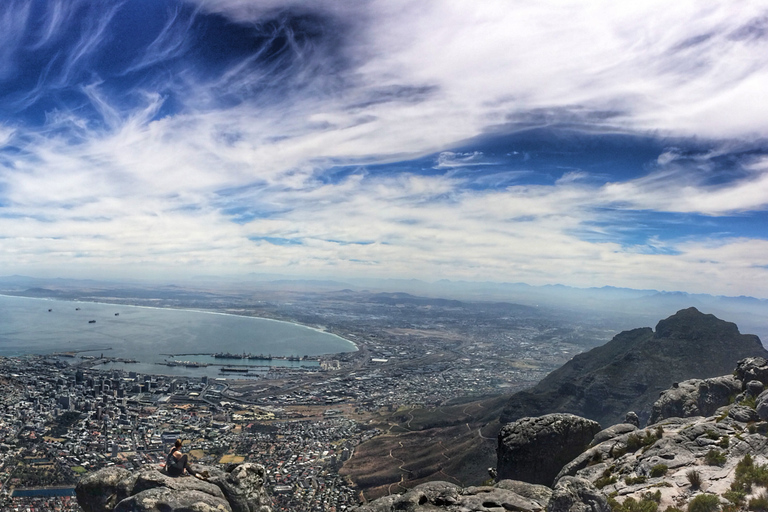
[583, 143]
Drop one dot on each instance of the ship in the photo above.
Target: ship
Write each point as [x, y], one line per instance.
[117, 314]
[227, 355]
[91, 321]
[234, 370]
[260, 357]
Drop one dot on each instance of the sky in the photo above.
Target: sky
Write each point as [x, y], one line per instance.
[586, 143]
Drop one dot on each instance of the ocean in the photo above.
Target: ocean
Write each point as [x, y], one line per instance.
[153, 336]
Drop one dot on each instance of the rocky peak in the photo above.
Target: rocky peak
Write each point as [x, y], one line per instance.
[630, 371]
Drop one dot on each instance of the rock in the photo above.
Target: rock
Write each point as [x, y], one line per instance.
[538, 493]
[243, 487]
[632, 419]
[162, 499]
[434, 496]
[535, 449]
[743, 414]
[695, 397]
[573, 494]
[755, 387]
[752, 368]
[762, 409]
[611, 432]
[103, 490]
[149, 490]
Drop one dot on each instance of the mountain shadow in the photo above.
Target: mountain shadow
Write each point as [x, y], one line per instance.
[629, 372]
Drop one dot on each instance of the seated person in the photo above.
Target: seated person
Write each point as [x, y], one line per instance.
[177, 462]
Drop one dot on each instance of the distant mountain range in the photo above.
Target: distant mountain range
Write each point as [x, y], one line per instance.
[628, 372]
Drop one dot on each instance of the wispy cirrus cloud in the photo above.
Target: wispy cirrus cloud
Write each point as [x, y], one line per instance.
[391, 138]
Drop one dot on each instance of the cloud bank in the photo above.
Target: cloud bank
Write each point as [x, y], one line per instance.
[584, 143]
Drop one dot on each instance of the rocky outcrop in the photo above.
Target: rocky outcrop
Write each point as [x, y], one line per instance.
[577, 495]
[535, 449]
[629, 372]
[505, 495]
[695, 397]
[150, 490]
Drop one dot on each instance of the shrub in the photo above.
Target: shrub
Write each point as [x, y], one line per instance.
[735, 497]
[715, 458]
[652, 496]
[725, 442]
[759, 503]
[630, 480]
[605, 480]
[659, 470]
[711, 434]
[632, 505]
[750, 402]
[694, 478]
[704, 503]
[748, 474]
[672, 509]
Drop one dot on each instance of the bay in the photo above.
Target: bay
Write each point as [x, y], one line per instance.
[152, 335]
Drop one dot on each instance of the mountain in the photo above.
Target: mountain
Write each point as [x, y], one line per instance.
[629, 372]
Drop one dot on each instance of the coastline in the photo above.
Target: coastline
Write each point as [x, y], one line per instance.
[354, 346]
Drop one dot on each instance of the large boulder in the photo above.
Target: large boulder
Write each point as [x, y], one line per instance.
[695, 397]
[535, 449]
[149, 490]
[574, 494]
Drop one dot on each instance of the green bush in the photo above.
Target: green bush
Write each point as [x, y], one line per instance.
[659, 470]
[605, 480]
[632, 505]
[694, 478]
[632, 480]
[715, 458]
[748, 474]
[724, 442]
[759, 503]
[711, 434]
[735, 497]
[704, 503]
[636, 441]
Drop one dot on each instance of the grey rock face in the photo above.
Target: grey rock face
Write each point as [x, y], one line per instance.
[574, 494]
[743, 414]
[752, 368]
[434, 496]
[695, 397]
[103, 490]
[162, 499]
[755, 387]
[632, 419]
[149, 490]
[611, 432]
[535, 449]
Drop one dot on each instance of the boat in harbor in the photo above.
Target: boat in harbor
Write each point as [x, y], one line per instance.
[228, 355]
[91, 321]
[260, 357]
[234, 370]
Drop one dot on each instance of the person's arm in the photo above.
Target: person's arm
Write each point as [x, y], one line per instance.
[177, 454]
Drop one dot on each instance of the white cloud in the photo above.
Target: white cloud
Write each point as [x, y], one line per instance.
[144, 196]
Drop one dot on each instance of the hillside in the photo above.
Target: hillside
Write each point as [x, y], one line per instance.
[630, 371]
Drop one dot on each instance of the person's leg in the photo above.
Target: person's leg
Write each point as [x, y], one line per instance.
[184, 464]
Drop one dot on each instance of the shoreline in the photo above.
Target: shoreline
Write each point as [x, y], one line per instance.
[193, 310]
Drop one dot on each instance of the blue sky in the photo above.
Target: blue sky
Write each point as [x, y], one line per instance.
[587, 143]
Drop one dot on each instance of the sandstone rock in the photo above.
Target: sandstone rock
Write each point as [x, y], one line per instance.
[632, 419]
[743, 414]
[162, 499]
[755, 387]
[611, 432]
[149, 490]
[573, 494]
[435, 496]
[695, 397]
[535, 449]
[752, 368]
[243, 487]
[538, 493]
[103, 490]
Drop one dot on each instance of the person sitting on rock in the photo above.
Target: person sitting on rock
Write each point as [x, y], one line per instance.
[177, 462]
